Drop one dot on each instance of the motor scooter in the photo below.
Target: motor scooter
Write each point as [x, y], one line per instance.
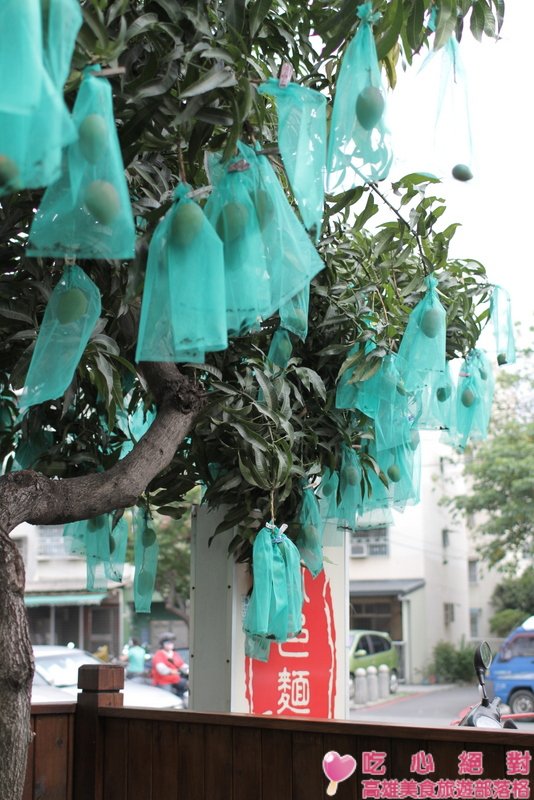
[487, 713]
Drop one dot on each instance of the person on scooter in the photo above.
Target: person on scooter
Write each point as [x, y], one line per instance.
[166, 667]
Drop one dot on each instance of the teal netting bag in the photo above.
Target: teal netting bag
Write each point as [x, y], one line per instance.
[280, 349]
[146, 550]
[294, 314]
[21, 55]
[30, 449]
[443, 122]
[438, 400]
[346, 390]
[402, 467]
[72, 311]
[62, 19]
[275, 606]
[350, 485]
[422, 348]
[359, 144]
[232, 211]
[258, 647]
[391, 415]
[474, 399]
[376, 494]
[32, 137]
[103, 545]
[183, 312]
[501, 317]
[302, 144]
[310, 536]
[375, 518]
[327, 495]
[135, 426]
[87, 212]
[292, 260]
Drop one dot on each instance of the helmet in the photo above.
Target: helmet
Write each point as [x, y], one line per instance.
[166, 637]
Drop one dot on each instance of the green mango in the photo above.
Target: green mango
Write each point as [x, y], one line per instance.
[501, 359]
[351, 476]
[8, 171]
[264, 208]
[430, 322]
[443, 393]
[468, 397]
[461, 172]
[148, 537]
[414, 439]
[93, 137]
[370, 106]
[394, 473]
[102, 201]
[71, 305]
[232, 222]
[186, 224]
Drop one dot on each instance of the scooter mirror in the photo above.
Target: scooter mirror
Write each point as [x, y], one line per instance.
[483, 657]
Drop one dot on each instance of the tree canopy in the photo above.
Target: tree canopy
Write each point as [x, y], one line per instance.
[247, 431]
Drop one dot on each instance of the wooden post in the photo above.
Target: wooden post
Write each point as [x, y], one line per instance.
[101, 688]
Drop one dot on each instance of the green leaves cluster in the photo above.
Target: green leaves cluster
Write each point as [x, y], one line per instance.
[191, 72]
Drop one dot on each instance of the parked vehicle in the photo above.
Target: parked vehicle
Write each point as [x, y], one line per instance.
[512, 672]
[371, 649]
[487, 713]
[57, 667]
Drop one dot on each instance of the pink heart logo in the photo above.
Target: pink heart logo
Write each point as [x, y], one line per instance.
[338, 768]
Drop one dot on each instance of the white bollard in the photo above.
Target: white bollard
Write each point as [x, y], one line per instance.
[372, 684]
[360, 687]
[383, 680]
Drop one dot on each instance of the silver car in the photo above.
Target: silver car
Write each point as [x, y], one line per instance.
[56, 668]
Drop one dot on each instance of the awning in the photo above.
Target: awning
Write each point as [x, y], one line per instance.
[81, 599]
[389, 588]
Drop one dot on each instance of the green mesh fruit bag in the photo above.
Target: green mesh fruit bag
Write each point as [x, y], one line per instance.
[437, 401]
[503, 328]
[422, 348]
[310, 536]
[231, 211]
[280, 349]
[97, 551]
[347, 390]
[474, 399]
[359, 143]
[350, 485]
[391, 415]
[327, 494]
[72, 311]
[86, 213]
[21, 60]
[258, 647]
[183, 312]
[30, 449]
[275, 606]
[294, 314]
[35, 124]
[402, 467]
[146, 549]
[376, 493]
[291, 258]
[302, 144]
[135, 426]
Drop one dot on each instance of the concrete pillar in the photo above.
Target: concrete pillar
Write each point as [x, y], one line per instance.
[383, 680]
[372, 683]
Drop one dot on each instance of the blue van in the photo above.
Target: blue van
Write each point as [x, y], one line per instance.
[512, 669]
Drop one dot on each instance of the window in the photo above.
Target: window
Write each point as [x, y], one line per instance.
[448, 613]
[372, 542]
[380, 645]
[472, 570]
[51, 542]
[523, 646]
[474, 617]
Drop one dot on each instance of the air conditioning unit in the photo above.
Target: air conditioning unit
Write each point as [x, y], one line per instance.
[359, 550]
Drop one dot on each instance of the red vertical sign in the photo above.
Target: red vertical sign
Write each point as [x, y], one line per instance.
[300, 677]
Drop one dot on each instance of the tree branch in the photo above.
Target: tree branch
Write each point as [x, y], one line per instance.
[28, 496]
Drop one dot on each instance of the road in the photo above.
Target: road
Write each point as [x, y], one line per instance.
[420, 706]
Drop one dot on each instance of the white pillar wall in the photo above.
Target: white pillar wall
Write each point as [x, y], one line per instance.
[219, 587]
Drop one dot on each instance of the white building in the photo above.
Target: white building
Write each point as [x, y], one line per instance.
[419, 579]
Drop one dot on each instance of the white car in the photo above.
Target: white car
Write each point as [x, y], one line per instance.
[56, 668]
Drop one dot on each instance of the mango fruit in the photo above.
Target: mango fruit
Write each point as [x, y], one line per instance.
[351, 476]
[264, 208]
[148, 537]
[461, 172]
[8, 171]
[394, 473]
[71, 305]
[232, 221]
[501, 359]
[443, 393]
[414, 439]
[468, 397]
[186, 224]
[430, 322]
[93, 137]
[370, 106]
[102, 201]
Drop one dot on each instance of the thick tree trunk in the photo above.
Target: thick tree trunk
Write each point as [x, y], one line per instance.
[27, 496]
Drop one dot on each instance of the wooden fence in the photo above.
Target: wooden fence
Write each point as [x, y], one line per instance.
[102, 751]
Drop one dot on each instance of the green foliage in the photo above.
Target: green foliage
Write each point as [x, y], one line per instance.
[503, 622]
[452, 664]
[191, 71]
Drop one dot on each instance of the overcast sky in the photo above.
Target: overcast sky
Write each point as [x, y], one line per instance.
[495, 208]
